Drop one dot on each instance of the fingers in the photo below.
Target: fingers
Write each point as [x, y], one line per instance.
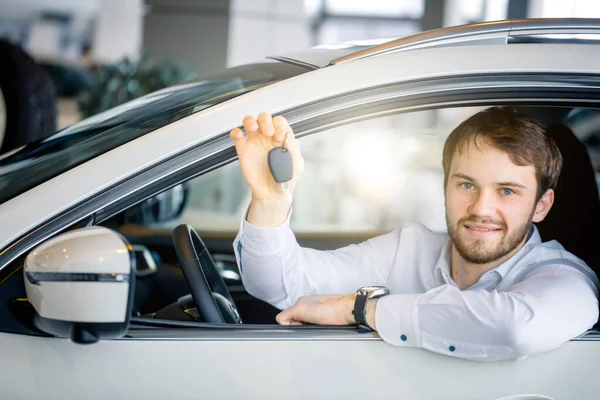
[295, 315]
[291, 316]
[238, 139]
[285, 317]
[265, 123]
[281, 128]
[251, 126]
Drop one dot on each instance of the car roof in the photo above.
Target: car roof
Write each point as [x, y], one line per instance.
[541, 30]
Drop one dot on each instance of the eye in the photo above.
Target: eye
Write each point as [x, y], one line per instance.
[507, 192]
[467, 185]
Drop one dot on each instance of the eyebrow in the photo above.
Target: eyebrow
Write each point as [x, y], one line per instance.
[507, 183]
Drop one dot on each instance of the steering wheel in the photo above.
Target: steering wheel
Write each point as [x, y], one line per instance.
[212, 298]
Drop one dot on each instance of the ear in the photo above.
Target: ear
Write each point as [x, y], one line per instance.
[543, 206]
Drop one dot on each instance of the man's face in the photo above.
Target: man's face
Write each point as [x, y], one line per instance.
[490, 203]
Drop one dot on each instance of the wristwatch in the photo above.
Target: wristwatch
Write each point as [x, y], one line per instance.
[360, 304]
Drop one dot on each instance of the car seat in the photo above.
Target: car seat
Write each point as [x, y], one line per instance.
[575, 216]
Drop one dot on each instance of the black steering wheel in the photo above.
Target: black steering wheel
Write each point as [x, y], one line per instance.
[212, 298]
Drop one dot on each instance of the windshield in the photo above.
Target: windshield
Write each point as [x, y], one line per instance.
[28, 166]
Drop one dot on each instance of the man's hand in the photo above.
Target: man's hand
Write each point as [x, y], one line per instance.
[326, 310]
[321, 310]
[269, 205]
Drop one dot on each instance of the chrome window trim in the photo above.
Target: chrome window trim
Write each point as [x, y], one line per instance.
[592, 335]
[311, 118]
[35, 278]
[260, 333]
[155, 329]
[292, 61]
[206, 334]
[152, 329]
[535, 30]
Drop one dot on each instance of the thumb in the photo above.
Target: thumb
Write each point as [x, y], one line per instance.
[285, 317]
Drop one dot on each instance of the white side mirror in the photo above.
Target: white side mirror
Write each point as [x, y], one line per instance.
[81, 284]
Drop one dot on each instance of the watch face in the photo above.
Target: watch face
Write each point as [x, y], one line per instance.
[374, 291]
[371, 288]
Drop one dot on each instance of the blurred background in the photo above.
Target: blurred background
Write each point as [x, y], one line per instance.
[75, 58]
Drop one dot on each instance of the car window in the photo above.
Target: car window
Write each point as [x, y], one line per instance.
[367, 176]
[35, 163]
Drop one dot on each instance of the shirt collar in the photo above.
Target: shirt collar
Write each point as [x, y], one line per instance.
[534, 238]
[445, 258]
[442, 267]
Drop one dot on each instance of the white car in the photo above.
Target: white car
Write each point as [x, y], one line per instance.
[95, 306]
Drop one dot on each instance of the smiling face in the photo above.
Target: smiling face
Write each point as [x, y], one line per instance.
[491, 203]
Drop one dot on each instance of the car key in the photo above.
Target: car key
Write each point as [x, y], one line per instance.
[281, 166]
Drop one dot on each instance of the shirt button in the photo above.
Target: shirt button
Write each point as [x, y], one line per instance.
[451, 348]
[403, 337]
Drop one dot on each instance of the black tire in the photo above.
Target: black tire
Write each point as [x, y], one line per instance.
[29, 98]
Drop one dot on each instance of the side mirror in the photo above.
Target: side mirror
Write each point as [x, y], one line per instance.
[81, 285]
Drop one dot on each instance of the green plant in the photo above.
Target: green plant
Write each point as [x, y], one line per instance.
[116, 84]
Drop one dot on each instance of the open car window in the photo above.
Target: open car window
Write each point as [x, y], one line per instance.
[367, 178]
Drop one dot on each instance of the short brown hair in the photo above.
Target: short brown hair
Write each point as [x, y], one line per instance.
[519, 135]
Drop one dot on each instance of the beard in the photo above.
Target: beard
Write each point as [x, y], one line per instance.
[485, 250]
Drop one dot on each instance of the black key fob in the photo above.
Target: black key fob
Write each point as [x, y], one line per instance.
[281, 164]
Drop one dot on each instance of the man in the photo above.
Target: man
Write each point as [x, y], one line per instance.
[487, 290]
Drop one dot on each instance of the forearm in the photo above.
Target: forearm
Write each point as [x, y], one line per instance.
[484, 325]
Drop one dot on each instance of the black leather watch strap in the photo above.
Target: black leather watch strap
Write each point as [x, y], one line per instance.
[360, 305]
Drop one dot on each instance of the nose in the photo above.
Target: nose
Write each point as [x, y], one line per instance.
[484, 205]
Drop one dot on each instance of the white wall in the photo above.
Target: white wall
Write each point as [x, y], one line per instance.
[189, 32]
[259, 28]
[118, 31]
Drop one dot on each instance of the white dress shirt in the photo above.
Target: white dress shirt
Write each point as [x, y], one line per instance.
[540, 298]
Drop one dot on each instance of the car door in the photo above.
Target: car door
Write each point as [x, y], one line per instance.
[159, 358]
[162, 359]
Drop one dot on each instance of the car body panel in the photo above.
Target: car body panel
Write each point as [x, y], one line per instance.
[245, 365]
[27, 211]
